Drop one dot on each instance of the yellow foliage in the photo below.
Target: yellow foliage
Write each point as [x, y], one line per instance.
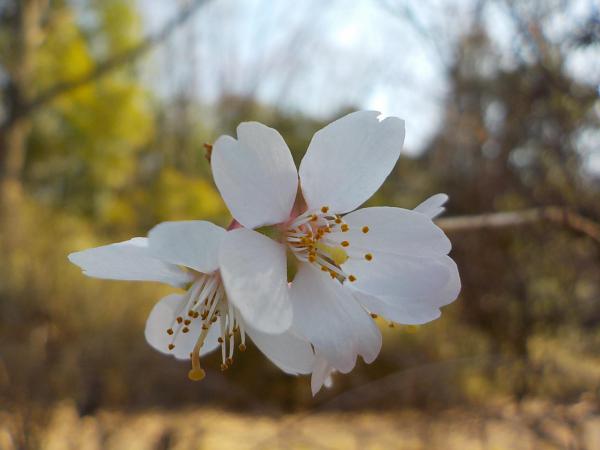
[181, 197]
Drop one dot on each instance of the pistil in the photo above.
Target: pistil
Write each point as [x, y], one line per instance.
[206, 301]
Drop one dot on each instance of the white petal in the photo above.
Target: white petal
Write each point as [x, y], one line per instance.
[162, 317]
[128, 260]
[405, 275]
[414, 310]
[433, 206]
[349, 159]
[331, 319]
[254, 271]
[321, 375]
[393, 230]
[255, 174]
[193, 243]
[287, 351]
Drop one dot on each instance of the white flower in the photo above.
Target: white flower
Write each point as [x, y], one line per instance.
[323, 371]
[387, 261]
[185, 254]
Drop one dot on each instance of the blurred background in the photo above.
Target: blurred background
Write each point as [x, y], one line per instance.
[104, 109]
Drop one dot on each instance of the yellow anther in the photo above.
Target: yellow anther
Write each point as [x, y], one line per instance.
[324, 209]
[365, 229]
[170, 331]
[196, 374]
[374, 316]
[338, 220]
[185, 330]
[345, 243]
[368, 257]
[229, 362]
[313, 218]
[179, 319]
[186, 322]
[214, 319]
[220, 340]
[242, 347]
[391, 324]
[352, 278]
[223, 367]
[171, 346]
[191, 313]
[345, 227]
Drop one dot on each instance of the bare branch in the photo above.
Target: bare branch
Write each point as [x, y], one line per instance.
[126, 57]
[554, 214]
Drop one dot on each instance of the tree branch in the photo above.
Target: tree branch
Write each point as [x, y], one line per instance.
[554, 214]
[126, 57]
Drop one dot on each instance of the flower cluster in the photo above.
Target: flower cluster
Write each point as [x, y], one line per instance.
[351, 265]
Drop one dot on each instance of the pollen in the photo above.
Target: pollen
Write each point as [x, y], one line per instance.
[351, 278]
[369, 257]
[324, 209]
[345, 243]
[170, 331]
[345, 228]
[365, 229]
[179, 319]
[171, 346]
[185, 330]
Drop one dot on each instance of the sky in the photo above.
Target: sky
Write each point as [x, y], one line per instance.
[318, 56]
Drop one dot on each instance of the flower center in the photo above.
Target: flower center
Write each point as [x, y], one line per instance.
[205, 302]
[319, 238]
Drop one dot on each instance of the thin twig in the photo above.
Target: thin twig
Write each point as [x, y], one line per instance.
[126, 57]
[554, 214]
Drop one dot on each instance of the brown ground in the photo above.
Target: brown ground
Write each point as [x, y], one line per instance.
[536, 425]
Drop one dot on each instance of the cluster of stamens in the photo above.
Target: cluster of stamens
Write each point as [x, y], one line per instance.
[206, 302]
[314, 237]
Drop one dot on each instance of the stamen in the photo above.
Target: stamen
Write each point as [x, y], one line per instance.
[308, 237]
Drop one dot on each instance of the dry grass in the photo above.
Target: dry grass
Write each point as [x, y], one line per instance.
[534, 425]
